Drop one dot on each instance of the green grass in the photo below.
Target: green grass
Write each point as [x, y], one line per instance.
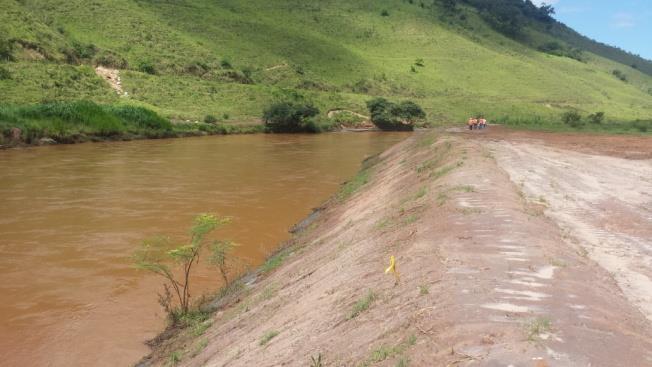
[83, 120]
[538, 326]
[362, 305]
[267, 337]
[352, 186]
[385, 352]
[337, 54]
[424, 290]
[275, 260]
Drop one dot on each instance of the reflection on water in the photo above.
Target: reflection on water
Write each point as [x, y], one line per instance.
[72, 215]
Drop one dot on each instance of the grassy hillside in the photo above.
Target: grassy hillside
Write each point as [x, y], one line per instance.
[189, 58]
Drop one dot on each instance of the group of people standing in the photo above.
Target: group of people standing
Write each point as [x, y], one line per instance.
[478, 123]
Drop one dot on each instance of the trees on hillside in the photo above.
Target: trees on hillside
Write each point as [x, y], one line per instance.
[290, 117]
[507, 16]
[391, 116]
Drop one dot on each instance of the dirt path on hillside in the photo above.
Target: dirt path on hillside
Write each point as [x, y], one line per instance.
[487, 279]
[111, 76]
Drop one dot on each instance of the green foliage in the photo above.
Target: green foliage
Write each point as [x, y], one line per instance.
[210, 119]
[110, 59]
[556, 48]
[572, 118]
[4, 74]
[316, 361]
[226, 64]
[267, 337]
[385, 352]
[352, 186]
[175, 357]
[620, 75]
[424, 290]
[140, 117]
[596, 118]
[175, 263]
[66, 121]
[275, 261]
[290, 117]
[387, 115]
[147, 67]
[187, 44]
[384, 13]
[362, 305]
[220, 256]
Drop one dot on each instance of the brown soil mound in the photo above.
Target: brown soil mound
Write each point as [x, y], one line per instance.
[485, 277]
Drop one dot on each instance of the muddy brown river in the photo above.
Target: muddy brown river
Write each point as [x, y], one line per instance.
[71, 217]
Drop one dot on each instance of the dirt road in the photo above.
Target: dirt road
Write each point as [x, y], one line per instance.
[511, 251]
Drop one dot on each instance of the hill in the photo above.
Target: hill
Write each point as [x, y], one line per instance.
[191, 58]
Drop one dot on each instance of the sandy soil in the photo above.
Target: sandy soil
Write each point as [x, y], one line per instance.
[112, 76]
[512, 252]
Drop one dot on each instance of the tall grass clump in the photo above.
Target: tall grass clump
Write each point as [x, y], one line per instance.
[140, 117]
[68, 122]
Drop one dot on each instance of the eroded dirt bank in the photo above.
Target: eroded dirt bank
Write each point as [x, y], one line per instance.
[494, 267]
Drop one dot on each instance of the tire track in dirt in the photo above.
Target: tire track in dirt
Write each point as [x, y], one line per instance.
[604, 203]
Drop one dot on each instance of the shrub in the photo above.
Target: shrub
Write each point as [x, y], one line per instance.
[226, 64]
[290, 117]
[110, 59]
[4, 74]
[391, 116]
[210, 119]
[572, 118]
[6, 49]
[620, 75]
[158, 256]
[642, 126]
[384, 13]
[596, 118]
[147, 67]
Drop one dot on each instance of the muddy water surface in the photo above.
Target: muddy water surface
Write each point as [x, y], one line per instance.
[72, 215]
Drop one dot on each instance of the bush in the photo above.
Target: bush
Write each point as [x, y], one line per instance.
[642, 126]
[110, 59]
[210, 119]
[290, 117]
[572, 118]
[596, 118]
[147, 67]
[226, 64]
[390, 116]
[4, 74]
[6, 50]
[620, 75]
[384, 13]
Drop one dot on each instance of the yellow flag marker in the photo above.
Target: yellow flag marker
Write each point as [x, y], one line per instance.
[392, 269]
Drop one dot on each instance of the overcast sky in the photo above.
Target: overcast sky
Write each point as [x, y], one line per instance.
[623, 23]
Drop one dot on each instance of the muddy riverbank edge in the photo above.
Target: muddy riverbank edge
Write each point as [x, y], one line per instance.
[485, 276]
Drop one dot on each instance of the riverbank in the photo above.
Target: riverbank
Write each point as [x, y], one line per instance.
[491, 268]
[86, 121]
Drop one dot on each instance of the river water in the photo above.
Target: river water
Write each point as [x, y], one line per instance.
[71, 217]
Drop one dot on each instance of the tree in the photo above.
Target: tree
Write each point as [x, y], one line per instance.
[388, 116]
[290, 117]
[596, 118]
[175, 263]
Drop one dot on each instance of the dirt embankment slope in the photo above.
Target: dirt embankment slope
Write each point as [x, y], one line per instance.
[486, 277]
